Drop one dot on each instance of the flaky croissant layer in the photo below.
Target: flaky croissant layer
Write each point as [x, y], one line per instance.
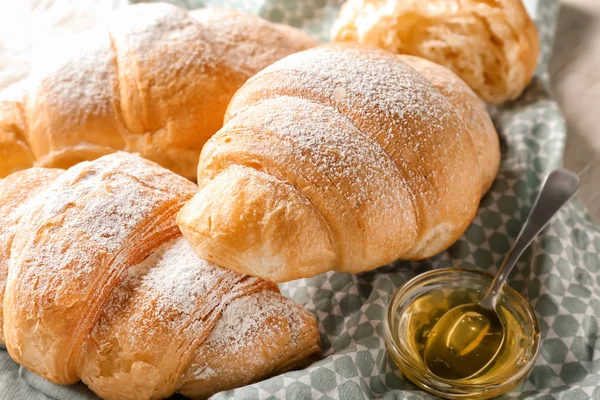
[341, 157]
[100, 286]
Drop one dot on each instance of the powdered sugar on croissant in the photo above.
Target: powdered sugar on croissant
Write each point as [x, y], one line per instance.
[155, 81]
[102, 287]
[340, 157]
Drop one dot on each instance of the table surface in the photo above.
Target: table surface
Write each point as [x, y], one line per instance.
[575, 75]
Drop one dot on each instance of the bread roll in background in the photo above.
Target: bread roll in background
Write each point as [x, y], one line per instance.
[491, 44]
[156, 81]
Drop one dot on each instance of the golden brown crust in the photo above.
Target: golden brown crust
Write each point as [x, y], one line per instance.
[15, 153]
[261, 222]
[375, 163]
[255, 331]
[156, 82]
[492, 45]
[16, 191]
[103, 288]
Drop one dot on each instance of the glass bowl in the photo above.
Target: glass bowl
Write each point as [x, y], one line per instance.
[417, 305]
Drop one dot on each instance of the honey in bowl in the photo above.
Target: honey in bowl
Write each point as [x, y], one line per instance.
[464, 342]
[418, 306]
[423, 314]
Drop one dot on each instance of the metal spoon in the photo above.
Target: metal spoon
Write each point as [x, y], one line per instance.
[467, 338]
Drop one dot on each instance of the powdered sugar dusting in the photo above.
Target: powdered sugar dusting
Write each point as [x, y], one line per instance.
[176, 278]
[142, 82]
[245, 316]
[394, 108]
[205, 374]
[153, 36]
[360, 179]
[247, 43]
[73, 241]
[472, 110]
[257, 335]
[373, 79]
[164, 309]
[399, 111]
[88, 216]
[15, 193]
[75, 78]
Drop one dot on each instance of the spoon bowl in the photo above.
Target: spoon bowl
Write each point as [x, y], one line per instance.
[464, 342]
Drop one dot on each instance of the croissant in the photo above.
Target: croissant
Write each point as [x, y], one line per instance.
[102, 287]
[157, 81]
[342, 157]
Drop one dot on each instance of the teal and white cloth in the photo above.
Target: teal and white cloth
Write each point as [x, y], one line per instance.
[559, 273]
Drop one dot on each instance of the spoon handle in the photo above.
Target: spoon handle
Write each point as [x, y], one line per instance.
[560, 187]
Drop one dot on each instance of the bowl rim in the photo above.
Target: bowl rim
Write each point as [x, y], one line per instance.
[464, 390]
